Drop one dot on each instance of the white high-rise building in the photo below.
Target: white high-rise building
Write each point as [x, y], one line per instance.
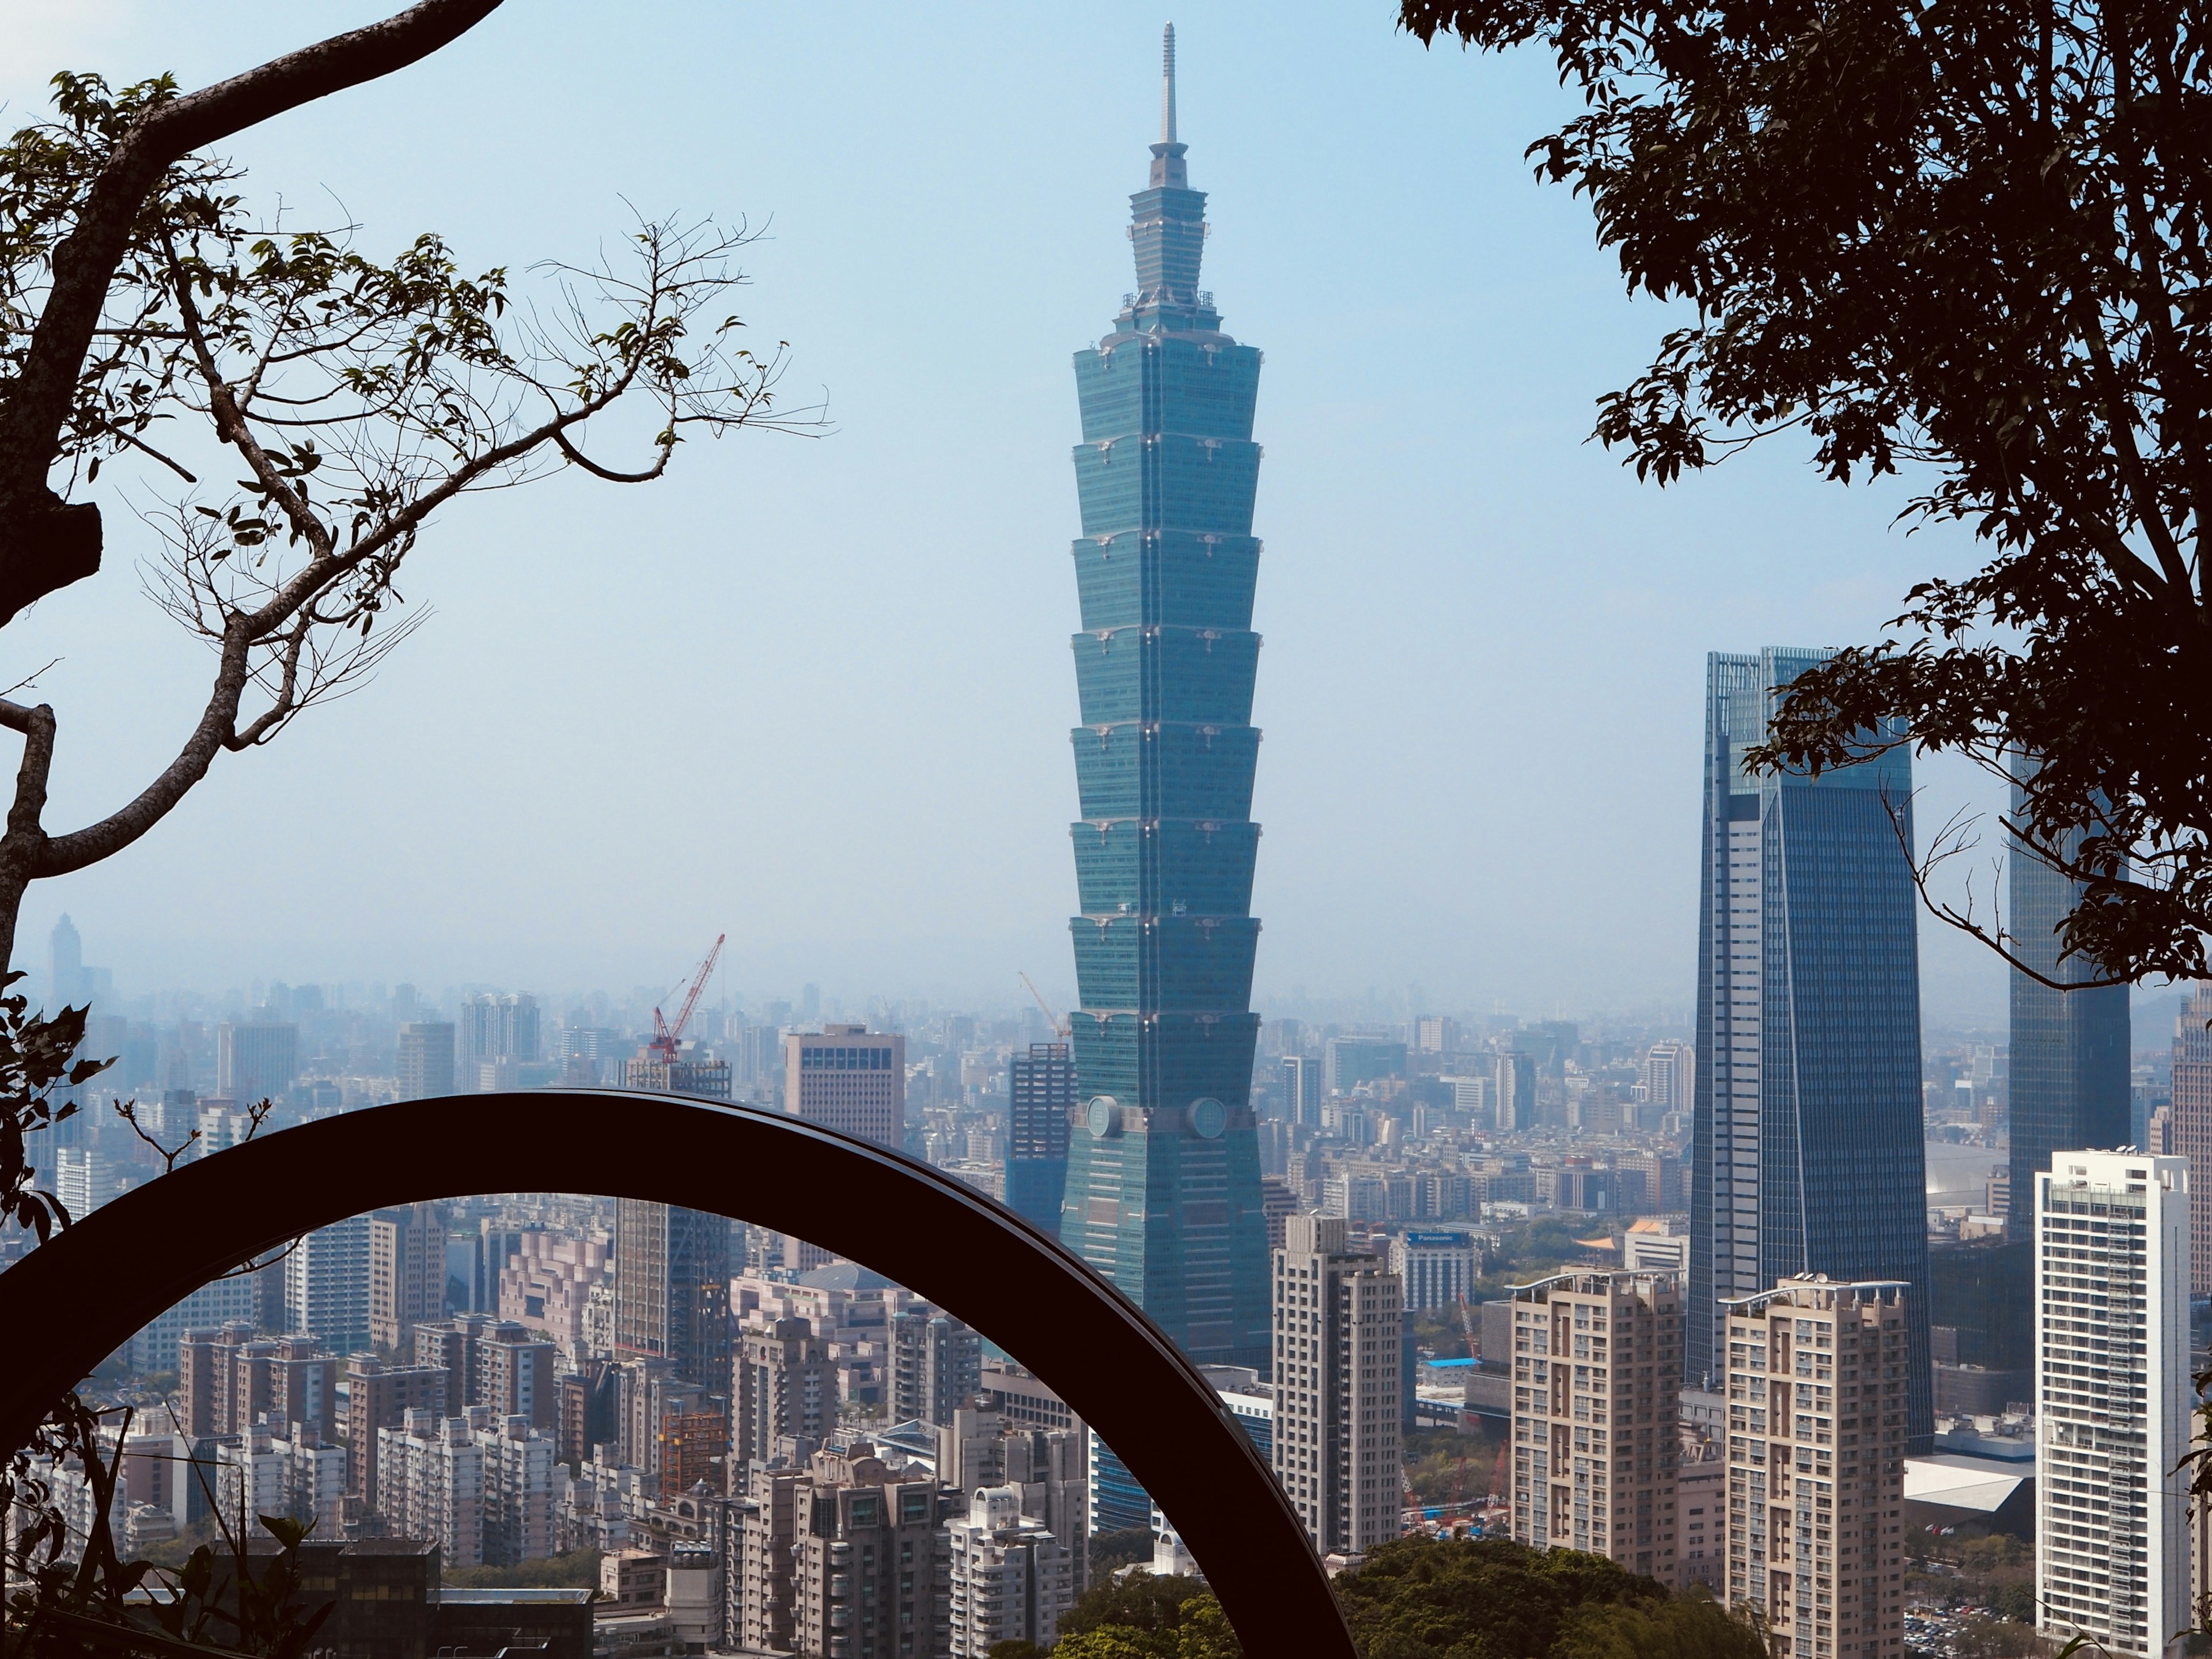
[1435, 1269]
[1338, 1449]
[1011, 1579]
[2113, 1399]
[327, 1285]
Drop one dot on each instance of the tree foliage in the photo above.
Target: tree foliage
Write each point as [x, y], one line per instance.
[1967, 241]
[1488, 1598]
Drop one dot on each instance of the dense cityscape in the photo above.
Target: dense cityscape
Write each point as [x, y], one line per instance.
[1879, 1333]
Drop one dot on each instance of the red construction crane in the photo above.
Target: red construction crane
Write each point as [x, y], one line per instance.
[1470, 1327]
[665, 1036]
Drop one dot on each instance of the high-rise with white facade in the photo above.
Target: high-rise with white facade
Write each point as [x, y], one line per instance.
[2113, 1399]
[1012, 1578]
[1819, 1404]
[1435, 1269]
[1338, 1446]
[1597, 1363]
[327, 1285]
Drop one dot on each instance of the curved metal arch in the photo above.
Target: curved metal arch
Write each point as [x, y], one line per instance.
[77, 1299]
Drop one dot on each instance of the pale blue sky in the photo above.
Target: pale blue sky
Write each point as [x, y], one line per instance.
[816, 694]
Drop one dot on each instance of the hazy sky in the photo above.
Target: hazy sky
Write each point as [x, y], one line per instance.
[817, 694]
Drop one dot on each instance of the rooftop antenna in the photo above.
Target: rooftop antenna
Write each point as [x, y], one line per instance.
[1167, 86]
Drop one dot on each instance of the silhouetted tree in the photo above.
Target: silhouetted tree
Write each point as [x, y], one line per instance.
[1970, 241]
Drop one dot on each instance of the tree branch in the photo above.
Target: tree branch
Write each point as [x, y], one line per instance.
[45, 544]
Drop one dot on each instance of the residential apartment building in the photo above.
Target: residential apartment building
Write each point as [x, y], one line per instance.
[229, 1379]
[406, 1271]
[497, 1363]
[2113, 1399]
[327, 1285]
[1338, 1363]
[937, 1366]
[787, 1385]
[867, 1555]
[380, 1396]
[1596, 1371]
[1011, 1579]
[1820, 1407]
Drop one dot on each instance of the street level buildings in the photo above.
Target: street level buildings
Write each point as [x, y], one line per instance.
[2113, 1399]
[1338, 1446]
[1820, 1410]
[1597, 1357]
[1807, 1151]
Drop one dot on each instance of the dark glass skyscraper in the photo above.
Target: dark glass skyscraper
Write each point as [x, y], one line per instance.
[1808, 1154]
[1163, 1172]
[2069, 1067]
[2068, 1080]
[1040, 1100]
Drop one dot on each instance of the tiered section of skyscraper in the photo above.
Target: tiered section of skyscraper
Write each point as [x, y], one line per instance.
[1164, 1181]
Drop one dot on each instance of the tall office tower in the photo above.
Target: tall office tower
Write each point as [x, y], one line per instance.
[2113, 1399]
[1163, 1178]
[2070, 1065]
[1513, 1091]
[787, 1385]
[1012, 1578]
[1302, 1089]
[1808, 1154]
[1436, 1269]
[254, 1061]
[326, 1284]
[1595, 1438]
[672, 1290]
[1817, 1391]
[937, 1366]
[849, 1080]
[1670, 1081]
[426, 1060]
[406, 1271]
[65, 965]
[2189, 1119]
[1338, 1447]
[380, 1396]
[1039, 1096]
[494, 1029]
[1433, 1034]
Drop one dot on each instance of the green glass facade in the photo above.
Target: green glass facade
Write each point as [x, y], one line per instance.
[1163, 1192]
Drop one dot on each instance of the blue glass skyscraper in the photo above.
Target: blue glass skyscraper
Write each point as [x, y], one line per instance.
[1163, 1192]
[1808, 1155]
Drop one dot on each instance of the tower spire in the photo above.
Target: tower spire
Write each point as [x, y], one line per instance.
[1167, 86]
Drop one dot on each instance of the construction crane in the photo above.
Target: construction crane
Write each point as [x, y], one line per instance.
[1469, 1327]
[1061, 1027]
[665, 1036]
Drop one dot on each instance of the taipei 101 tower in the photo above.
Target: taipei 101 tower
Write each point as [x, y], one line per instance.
[1162, 1193]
